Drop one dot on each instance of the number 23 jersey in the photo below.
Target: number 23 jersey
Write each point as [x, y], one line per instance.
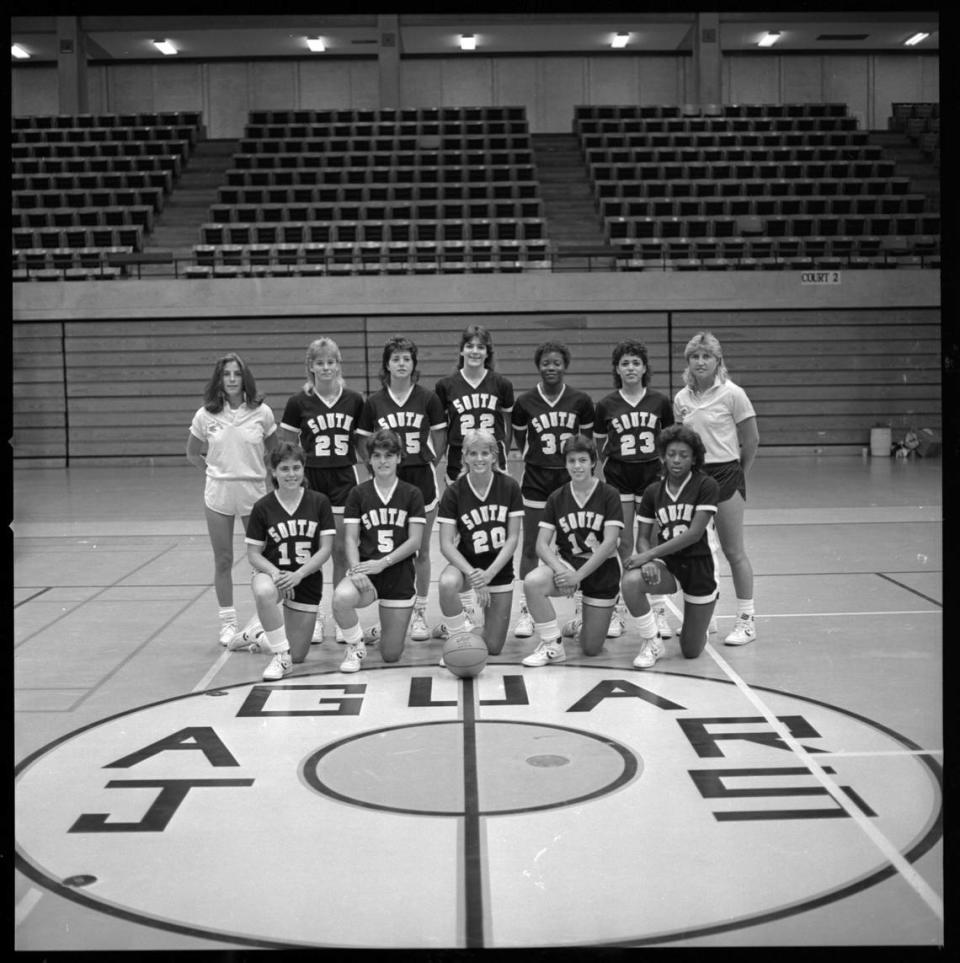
[579, 525]
[631, 429]
[481, 519]
[384, 522]
[288, 539]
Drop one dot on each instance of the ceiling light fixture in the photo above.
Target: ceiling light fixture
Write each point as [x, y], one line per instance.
[769, 38]
[620, 40]
[316, 44]
[468, 41]
[165, 47]
[915, 39]
[17, 51]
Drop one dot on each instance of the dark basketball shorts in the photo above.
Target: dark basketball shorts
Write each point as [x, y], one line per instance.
[335, 483]
[395, 585]
[455, 460]
[696, 576]
[423, 477]
[307, 595]
[538, 482]
[504, 577]
[602, 585]
[729, 476]
[630, 478]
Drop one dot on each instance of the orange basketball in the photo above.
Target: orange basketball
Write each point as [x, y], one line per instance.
[465, 654]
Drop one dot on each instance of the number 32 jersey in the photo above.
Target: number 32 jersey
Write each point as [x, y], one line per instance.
[548, 424]
[482, 519]
[288, 539]
[579, 525]
[384, 522]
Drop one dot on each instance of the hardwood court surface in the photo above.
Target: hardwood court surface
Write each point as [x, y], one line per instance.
[787, 793]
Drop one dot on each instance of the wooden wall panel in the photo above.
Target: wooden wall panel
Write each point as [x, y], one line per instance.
[231, 99]
[802, 79]
[274, 83]
[846, 80]
[39, 410]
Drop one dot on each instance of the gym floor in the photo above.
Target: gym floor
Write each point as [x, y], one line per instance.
[785, 793]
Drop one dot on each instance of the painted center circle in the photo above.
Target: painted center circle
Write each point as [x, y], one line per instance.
[427, 768]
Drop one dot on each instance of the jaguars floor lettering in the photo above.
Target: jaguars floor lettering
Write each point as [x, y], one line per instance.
[490, 792]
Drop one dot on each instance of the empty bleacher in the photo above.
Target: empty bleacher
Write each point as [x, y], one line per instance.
[377, 191]
[86, 188]
[751, 186]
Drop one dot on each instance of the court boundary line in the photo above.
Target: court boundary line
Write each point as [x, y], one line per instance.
[909, 588]
[887, 849]
[28, 903]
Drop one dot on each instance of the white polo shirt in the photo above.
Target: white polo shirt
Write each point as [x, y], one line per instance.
[235, 441]
[714, 416]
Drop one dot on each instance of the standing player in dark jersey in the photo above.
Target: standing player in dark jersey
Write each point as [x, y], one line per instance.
[479, 519]
[543, 419]
[681, 505]
[289, 537]
[626, 428]
[475, 398]
[384, 521]
[577, 547]
[416, 415]
[323, 418]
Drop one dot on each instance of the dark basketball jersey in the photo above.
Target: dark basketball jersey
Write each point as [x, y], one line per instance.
[579, 527]
[470, 408]
[673, 515]
[548, 424]
[384, 525]
[481, 522]
[289, 539]
[631, 430]
[413, 420]
[326, 431]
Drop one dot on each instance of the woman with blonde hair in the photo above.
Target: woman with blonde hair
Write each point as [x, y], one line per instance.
[322, 417]
[720, 412]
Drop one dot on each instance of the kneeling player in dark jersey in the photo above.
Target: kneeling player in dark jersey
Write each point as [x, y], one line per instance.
[681, 505]
[479, 519]
[577, 547]
[384, 521]
[289, 537]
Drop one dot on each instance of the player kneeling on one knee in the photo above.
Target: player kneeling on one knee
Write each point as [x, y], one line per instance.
[680, 505]
[479, 518]
[289, 537]
[383, 520]
[577, 548]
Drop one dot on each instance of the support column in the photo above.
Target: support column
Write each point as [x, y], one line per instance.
[706, 59]
[71, 66]
[388, 59]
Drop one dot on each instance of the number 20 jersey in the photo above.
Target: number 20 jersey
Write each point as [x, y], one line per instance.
[384, 524]
[481, 523]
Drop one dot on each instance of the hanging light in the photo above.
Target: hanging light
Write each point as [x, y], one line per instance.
[165, 47]
[17, 51]
[915, 39]
[620, 40]
[468, 41]
[316, 44]
[769, 38]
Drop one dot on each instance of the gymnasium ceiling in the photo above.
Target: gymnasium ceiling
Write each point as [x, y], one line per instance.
[128, 38]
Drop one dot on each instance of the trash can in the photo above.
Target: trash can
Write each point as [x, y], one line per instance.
[881, 441]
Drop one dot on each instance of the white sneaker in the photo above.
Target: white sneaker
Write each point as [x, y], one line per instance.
[251, 639]
[546, 653]
[744, 631]
[524, 627]
[650, 651]
[280, 665]
[441, 663]
[571, 628]
[317, 637]
[419, 630]
[356, 653]
[618, 624]
[440, 631]
[227, 631]
[371, 636]
[474, 618]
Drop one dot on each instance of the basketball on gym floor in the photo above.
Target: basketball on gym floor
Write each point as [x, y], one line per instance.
[465, 654]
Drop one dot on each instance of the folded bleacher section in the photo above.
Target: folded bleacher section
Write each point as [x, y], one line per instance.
[920, 122]
[86, 188]
[751, 186]
[388, 191]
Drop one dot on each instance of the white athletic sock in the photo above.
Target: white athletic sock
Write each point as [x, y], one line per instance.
[420, 602]
[352, 636]
[548, 631]
[745, 607]
[228, 615]
[277, 640]
[466, 599]
[659, 602]
[456, 622]
[523, 603]
[647, 625]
